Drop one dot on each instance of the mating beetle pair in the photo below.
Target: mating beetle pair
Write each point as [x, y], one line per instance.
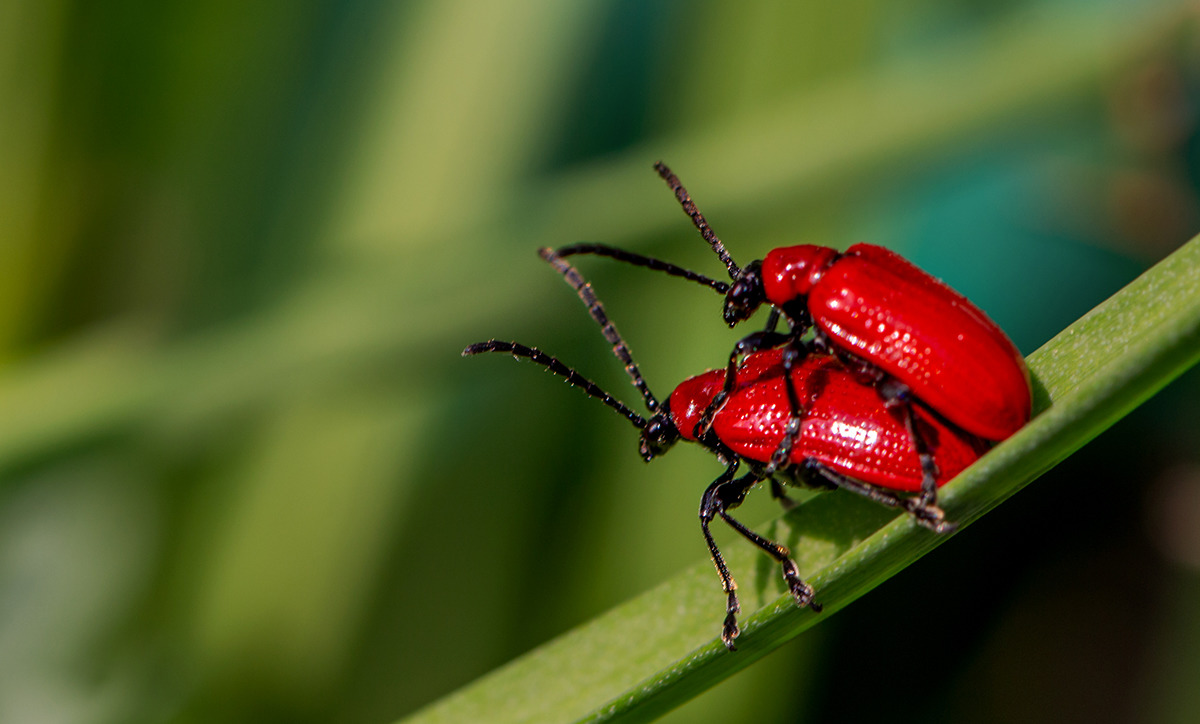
[898, 388]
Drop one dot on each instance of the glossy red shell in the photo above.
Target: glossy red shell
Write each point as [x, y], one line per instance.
[791, 271]
[876, 304]
[845, 426]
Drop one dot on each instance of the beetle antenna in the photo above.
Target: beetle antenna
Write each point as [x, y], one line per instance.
[553, 364]
[638, 260]
[596, 309]
[689, 208]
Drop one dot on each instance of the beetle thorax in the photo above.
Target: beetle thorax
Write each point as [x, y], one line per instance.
[790, 272]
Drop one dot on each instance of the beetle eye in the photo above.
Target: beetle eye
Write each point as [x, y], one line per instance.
[745, 296]
[659, 436]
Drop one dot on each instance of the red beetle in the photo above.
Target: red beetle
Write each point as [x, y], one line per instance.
[846, 426]
[884, 316]
[877, 305]
[847, 438]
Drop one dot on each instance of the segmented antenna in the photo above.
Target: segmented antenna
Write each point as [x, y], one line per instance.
[553, 364]
[689, 207]
[638, 260]
[596, 309]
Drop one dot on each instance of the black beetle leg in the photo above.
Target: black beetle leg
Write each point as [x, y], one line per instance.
[896, 395]
[926, 514]
[722, 495]
[778, 493]
[780, 458]
[747, 345]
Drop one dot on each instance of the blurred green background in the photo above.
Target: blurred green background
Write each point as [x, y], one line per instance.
[245, 475]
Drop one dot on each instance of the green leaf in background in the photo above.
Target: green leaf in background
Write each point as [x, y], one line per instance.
[242, 244]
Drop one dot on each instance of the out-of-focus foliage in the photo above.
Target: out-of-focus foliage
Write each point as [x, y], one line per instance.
[245, 476]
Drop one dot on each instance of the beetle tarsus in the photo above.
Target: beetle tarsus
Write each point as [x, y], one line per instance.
[931, 517]
[927, 515]
[801, 591]
[730, 630]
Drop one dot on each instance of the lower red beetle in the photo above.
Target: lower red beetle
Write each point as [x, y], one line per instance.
[847, 437]
[884, 317]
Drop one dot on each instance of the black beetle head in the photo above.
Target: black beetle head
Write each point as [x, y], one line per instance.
[745, 295]
[658, 436]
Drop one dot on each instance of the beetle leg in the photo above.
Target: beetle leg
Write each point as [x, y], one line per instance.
[783, 453]
[766, 339]
[746, 345]
[821, 343]
[867, 373]
[772, 320]
[897, 395]
[778, 493]
[929, 468]
[926, 514]
[708, 509]
[723, 495]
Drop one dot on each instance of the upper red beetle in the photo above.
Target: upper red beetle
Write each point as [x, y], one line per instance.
[880, 313]
[875, 304]
[847, 437]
